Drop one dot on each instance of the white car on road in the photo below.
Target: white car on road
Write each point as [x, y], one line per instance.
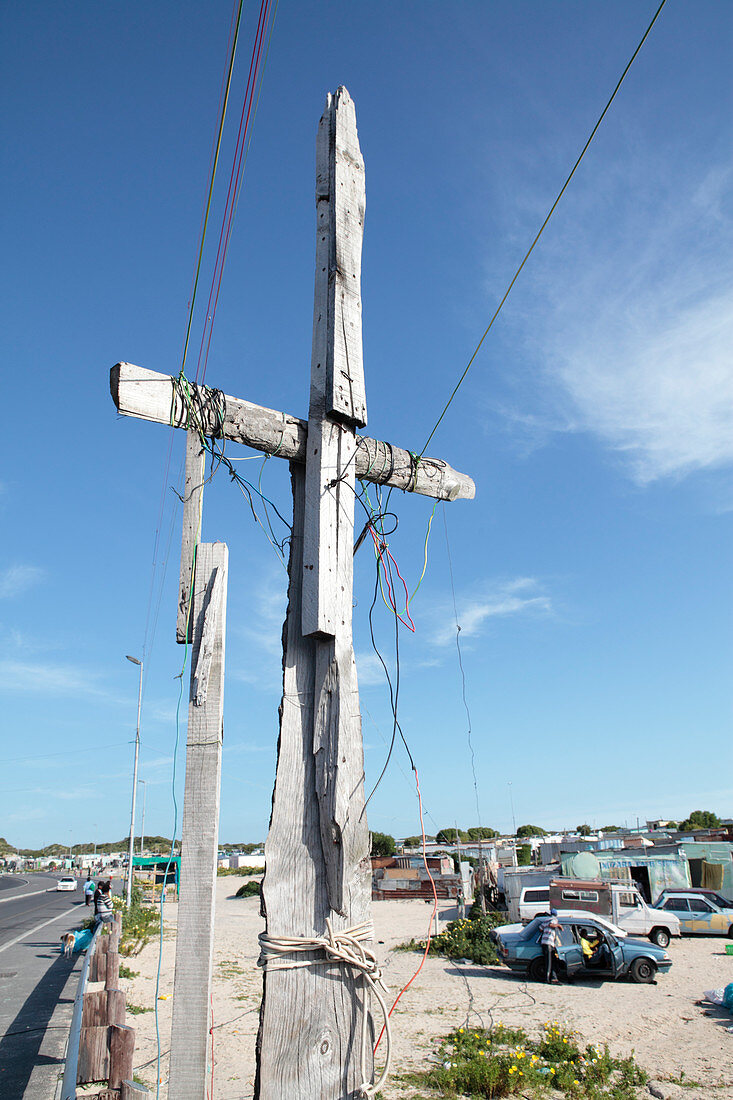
[67, 883]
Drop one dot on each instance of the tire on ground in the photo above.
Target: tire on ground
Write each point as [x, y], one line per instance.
[642, 970]
[660, 936]
[537, 969]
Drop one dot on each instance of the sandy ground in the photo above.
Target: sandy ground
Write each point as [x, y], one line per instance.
[672, 1037]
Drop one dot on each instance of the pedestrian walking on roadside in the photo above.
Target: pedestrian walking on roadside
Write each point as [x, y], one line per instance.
[550, 942]
[88, 891]
[103, 912]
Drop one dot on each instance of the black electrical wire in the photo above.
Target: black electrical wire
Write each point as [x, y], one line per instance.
[542, 227]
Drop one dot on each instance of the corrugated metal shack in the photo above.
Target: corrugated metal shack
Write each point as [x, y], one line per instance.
[652, 869]
[711, 864]
[405, 878]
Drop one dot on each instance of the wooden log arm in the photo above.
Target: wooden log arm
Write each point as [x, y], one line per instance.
[148, 395]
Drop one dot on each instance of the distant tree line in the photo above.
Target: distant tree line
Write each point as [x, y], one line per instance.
[699, 819]
[465, 836]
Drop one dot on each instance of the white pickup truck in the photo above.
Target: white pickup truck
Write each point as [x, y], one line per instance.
[618, 902]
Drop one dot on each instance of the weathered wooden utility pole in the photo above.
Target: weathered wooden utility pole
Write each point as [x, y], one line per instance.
[200, 830]
[315, 1036]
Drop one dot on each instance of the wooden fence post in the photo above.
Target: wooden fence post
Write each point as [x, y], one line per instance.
[112, 973]
[115, 1006]
[93, 1055]
[116, 931]
[121, 1048]
[131, 1090]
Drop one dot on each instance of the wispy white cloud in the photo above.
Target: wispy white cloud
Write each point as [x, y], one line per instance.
[632, 323]
[657, 389]
[269, 613]
[163, 712]
[520, 596]
[17, 579]
[263, 635]
[247, 746]
[369, 669]
[28, 813]
[49, 679]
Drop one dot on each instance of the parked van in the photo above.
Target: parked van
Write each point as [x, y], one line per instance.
[533, 900]
[618, 902]
[516, 881]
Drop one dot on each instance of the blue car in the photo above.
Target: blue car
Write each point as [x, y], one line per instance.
[616, 956]
[699, 912]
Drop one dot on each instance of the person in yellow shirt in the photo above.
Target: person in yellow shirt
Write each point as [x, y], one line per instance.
[589, 943]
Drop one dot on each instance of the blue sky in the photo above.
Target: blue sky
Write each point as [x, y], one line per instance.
[592, 571]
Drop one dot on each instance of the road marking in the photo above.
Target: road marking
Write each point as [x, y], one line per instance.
[30, 894]
[38, 928]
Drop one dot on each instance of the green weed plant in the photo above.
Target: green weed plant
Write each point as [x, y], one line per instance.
[467, 938]
[504, 1061]
[222, 871]
[139, 924]
[249, 890]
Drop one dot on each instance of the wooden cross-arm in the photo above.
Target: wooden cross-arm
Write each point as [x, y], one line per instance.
[148, 395]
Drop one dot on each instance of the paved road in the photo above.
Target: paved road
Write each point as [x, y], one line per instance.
[12, 882]
[37, 984]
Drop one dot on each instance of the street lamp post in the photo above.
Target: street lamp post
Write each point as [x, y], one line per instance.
[511, 800]
[142, 824]
[135, 661]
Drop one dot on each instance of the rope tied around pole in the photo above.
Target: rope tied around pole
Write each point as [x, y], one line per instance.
[347, 947]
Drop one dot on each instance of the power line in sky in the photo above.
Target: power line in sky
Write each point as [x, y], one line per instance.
[542, 228]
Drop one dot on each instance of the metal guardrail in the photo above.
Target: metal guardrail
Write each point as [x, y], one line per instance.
[68, 1084]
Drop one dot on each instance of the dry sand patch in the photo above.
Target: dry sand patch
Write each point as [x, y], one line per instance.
[671, 1036]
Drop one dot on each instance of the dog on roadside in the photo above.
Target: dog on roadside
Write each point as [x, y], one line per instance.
[68, 940]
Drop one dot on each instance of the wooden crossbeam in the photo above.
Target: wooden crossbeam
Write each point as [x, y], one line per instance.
[148, 395]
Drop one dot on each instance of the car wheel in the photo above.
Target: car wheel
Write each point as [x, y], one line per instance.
[730, 932]
[642, 970]
[537, 969]
[660, 936]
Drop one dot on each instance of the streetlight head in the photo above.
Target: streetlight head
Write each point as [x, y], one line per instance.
[133, 659]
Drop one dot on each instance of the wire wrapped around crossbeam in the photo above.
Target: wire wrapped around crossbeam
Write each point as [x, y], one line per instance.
[345, 946]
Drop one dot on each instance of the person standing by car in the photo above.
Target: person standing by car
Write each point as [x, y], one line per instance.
[88, 891]
[550, 941]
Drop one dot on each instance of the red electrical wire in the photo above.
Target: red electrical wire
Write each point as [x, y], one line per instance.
[407, 594]
[381, 549]
[211, 1033]
[432, 915]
